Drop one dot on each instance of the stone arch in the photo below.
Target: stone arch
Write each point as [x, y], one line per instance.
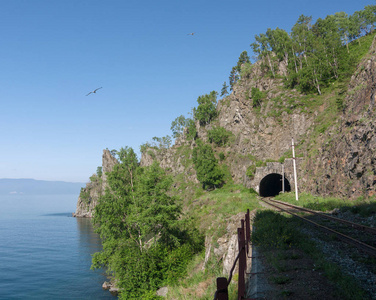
[271, 185]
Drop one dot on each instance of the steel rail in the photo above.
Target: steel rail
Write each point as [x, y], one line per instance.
[371, 250]
[354, 225]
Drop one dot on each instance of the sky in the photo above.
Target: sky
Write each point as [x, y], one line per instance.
[54, 52]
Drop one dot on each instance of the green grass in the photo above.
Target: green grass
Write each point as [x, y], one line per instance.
[362, 206]
[186, 288]
[213, 208]
[361, 50]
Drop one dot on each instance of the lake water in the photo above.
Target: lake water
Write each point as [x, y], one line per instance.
[44, 252]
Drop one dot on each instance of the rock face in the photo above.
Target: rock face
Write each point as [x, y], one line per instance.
[345, 165]
[89, 195]
[172, 159]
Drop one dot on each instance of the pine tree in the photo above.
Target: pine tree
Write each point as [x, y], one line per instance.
[243, 59]
[224, 89]
[234, 77]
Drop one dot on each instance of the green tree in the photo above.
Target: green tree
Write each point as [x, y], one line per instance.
[191, 130]
[369, 17]
[243, 59]
[234, 77]
[99, 172]
[224, 91]
[366, 18]
[355, 26]
[178, 126]
[262, 48]
[162, 142]
[206, 110]
[141, 229]
[279, 42]
[301, 38]
[206, 166]
[343, 23]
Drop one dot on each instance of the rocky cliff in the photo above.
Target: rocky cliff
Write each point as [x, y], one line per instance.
[89, 195]
[345, 162]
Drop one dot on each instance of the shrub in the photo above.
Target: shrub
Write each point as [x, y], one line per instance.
[251, 171]
[221, 156]
[219, 136]
[206, 166]
[257, 97]
[246, 70]
[99, 172]
[191, 130]
[84, 196]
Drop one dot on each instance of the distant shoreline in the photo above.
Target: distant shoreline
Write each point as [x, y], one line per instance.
[38, 187]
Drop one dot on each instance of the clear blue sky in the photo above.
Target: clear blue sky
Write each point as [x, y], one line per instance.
[54, 52]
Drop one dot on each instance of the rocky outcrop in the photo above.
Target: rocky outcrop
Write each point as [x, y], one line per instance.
[226, 247]
[89, 195]
[345, 164]
[173, 160]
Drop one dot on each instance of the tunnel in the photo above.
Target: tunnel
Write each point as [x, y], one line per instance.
[271, 185]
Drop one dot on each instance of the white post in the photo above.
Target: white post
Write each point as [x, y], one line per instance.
[283, 178]
[295, 177]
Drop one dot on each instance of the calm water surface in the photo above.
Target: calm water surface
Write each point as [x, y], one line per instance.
[44, 252]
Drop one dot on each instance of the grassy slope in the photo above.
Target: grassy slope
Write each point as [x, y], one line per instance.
[211, 210]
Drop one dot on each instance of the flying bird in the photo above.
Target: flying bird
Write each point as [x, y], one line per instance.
[93, 92]
[192, 33]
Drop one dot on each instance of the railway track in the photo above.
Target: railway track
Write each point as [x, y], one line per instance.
[362, 237]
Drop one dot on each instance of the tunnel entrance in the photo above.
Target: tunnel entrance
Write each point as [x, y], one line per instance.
[271, 185]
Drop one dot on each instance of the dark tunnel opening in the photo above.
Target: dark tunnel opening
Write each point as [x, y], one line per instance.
[271, 185]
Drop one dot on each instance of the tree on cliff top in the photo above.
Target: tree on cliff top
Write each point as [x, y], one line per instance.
[178, 126]
[243, 59]
[206, 110]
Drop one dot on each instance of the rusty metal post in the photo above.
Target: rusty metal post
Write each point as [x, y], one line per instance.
[222, 289]
[243, 256]
[242, 268]
[247, 230]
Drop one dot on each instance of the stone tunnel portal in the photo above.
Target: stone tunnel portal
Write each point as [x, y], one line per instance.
[271, 185]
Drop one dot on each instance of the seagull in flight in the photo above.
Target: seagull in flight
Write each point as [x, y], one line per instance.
[93, 92]
[192, 33]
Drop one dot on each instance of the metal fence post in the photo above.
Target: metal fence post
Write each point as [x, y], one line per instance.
[222, 291]
[244, 234]
[241, 283]
[247, 230]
